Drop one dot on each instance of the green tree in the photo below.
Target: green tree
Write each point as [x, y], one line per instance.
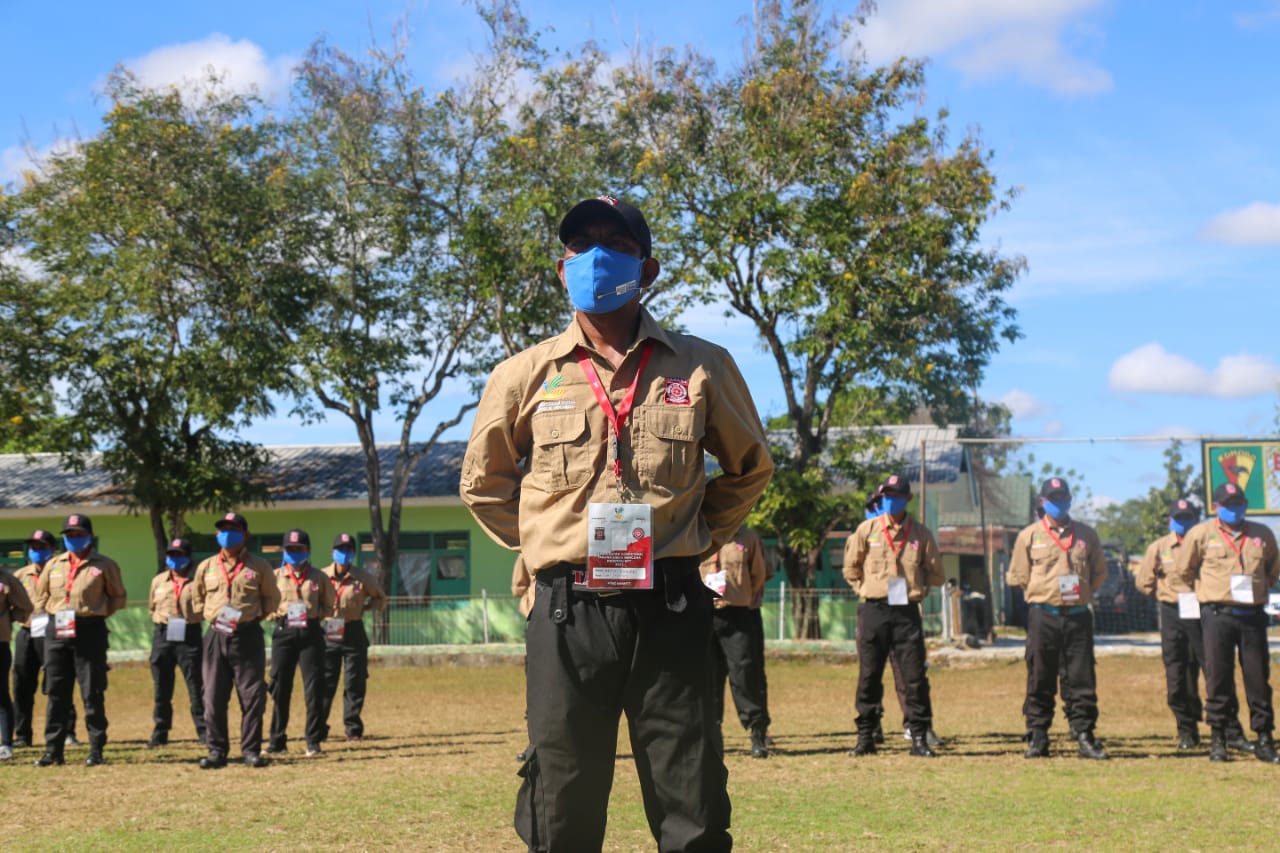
[1135, 523]
[814, 203]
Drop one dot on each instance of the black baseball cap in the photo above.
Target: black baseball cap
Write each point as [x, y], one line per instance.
[181, 547]
[296, 536]
[1054, 486]
[1184, 509]
[232, 519]
[344, 540]
[76, 521]
[41, 537]
[896, 484]
[1229, 493]
[608, 208]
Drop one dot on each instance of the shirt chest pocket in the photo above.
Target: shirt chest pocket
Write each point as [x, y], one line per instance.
[560, 458]
[671, 452]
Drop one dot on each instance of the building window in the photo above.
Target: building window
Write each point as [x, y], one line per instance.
[431, 568]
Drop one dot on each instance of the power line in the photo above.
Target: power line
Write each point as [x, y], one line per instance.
[1134, 438]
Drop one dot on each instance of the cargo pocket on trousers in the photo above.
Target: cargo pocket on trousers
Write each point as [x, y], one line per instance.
[530, 823]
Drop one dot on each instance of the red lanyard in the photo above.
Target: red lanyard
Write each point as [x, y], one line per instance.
[71, 575]
[235, 570]
[1066, 549]
[617, 419]
[906, 531]
[178, 585]
[337, 589]
[1226, 536]
[299, 582]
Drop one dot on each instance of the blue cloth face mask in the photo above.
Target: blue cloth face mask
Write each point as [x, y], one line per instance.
[228, 538]
[296, 558]
[601, 280]
[342, 557]
[178, 564]
[894, 504]
[76, 544]
[1180, 527]
[1232, 515]
[1057, 509]
[39, 557]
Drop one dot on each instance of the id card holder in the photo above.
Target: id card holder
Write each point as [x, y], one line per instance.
[64, 624]
[39, 623]
[619, 547]
[716, 582]
[334, 629]
[898, 592]
[227, 621]
[1188, 606]
[296, 615]
[1069, 588]
[177, 630]
[1242, 589]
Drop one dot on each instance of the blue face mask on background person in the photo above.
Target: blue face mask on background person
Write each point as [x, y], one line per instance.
[39, 557]
[1057, 509]
[178, 564]
[601, 280]
[894, 504]
[1232, 515]
[296, 558]
[228, 538]
[76, 544]
[342, 557]
[1180, 527]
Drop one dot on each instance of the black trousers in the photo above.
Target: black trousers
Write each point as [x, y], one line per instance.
[1228, 630]
[293, 649]
[1060, 646]
[1182, 650]
[6, 702]
[590, 659]
[28, 663]
[239, 658]
[348, 660]
[886, 631]
[83, 659]
[738, 646]
[166, 656]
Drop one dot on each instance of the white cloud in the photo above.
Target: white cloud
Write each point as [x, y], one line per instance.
[16, 160]
[1023, 405]
[1269, 14]
[1151, 369]
[1256, 224]
[242, 65]
[1053, 429]
[989, 38]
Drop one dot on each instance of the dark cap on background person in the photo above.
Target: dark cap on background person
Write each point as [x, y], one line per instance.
[232, 519]
[298, 537]
[344, 540]
[896, 484]
[41, 537]
[179, 547]
[1229, 493]
[1184, 510]
[1054, 487]
[77, 521]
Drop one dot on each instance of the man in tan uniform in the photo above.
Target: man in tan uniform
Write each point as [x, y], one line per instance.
[79, 589]
[737, 574]
[306, 597]
[346, 643]
[588, 457]
[1059, 565]
[175, 642]
[1181, 640]
[1233, 562]
[235, 590]
[891, 562]
[15, 608]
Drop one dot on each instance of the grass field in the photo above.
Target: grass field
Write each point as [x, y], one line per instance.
[437, 772]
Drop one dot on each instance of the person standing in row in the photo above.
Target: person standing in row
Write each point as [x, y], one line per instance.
[234, 590]
[891, 562]
[1181, 638]
[79, 589]
[1233, 563]
[306, 597]
[15, 608]
[346, 643]
[28, 646]
[588, 457]
[175, 642]
[1059, 565]
[737, 573]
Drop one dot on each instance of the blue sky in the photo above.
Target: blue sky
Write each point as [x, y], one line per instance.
[1141, 135]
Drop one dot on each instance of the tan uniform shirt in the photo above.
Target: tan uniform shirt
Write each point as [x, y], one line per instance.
[1038, 561]
[252, 590]
[1157, 574]
[98, 589]
[522, 587]
[315, 591]
[165, 601]
[745, 572]
[15, 607]
[1208, 561]
[354, 592]
[28, 575]
[880, 549]
[538, 452]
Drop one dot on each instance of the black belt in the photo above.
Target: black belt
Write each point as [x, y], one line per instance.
[669, 575]
[1233, 609]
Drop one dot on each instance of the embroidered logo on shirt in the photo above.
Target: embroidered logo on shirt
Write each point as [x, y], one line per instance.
[95, 571]
[677, 392]
[553, 388]
[556, 405]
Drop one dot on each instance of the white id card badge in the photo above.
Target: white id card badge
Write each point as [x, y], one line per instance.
[64, 624]
[296, 615]
[716, 582]
[898, 591]
[619, 546]
[39, 623]
[1242, 588]
[228, 619]
[334, 629]
[1188, 606]
[177, 630]
[1069, 588]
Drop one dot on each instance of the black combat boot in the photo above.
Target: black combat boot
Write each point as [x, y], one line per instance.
[1236, 740]
[95, 758]
[1266, 749]
[1218, 746]
[866, 745]
[920, 746]
[1090, 748]
[878, 734]
[1188, 739]
[49, 759]
[1038, 744]
[759, 746]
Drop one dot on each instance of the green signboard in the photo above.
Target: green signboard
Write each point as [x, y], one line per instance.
[1253, 465]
